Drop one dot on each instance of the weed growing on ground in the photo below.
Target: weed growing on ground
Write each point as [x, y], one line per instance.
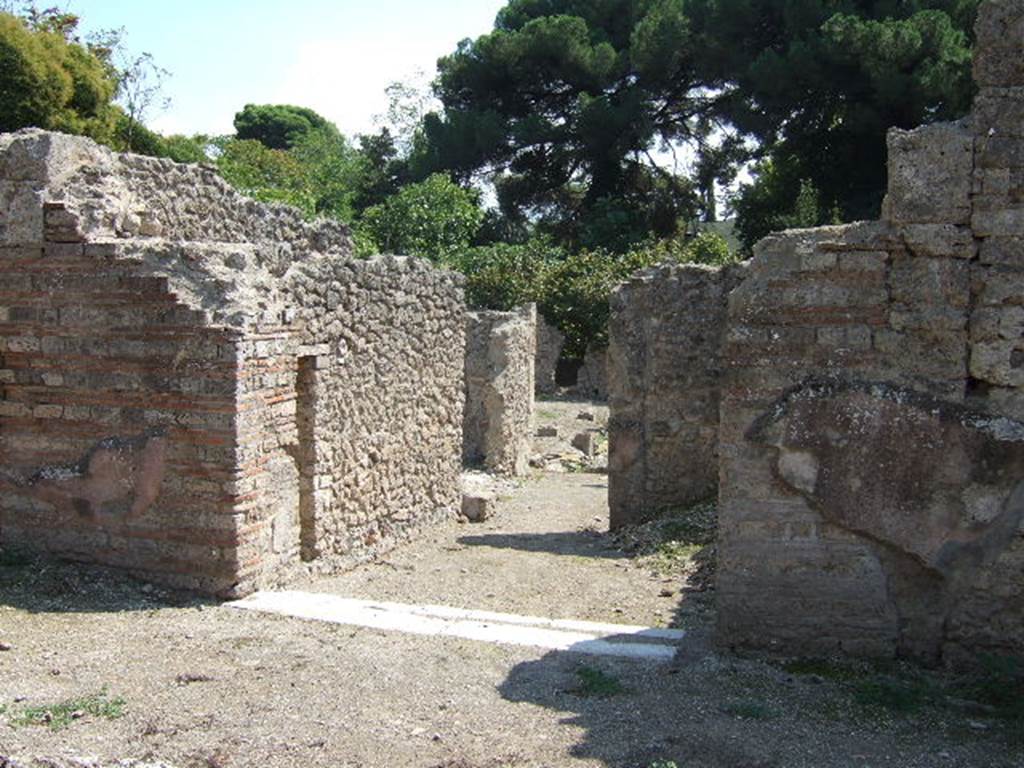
[999, 686]
[694, 525]
[595, 682]
[885, 689]
[61, 715]
[12, 558]
[672, 556]
[827, 669]
[663, 764]
[885, 694]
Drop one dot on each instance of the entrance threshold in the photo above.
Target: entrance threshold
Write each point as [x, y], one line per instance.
[594, 638]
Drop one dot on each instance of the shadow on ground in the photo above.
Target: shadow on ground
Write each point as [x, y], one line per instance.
[647, 715]
[43, 585]
[586, 543]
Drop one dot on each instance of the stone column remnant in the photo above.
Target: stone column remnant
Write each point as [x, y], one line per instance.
[664, 376]
[498, 420]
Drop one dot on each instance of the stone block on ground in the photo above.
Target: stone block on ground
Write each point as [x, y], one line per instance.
[478, 506]
[585, 442]
[480, 492]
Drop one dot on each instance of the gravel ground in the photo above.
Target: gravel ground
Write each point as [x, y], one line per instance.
[204, 685]
[545, 553]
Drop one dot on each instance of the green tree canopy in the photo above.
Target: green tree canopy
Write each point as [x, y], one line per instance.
[563, 105]
[268, 175]
[279, 126]
[819, 82]
[49, 80]
[571, 289]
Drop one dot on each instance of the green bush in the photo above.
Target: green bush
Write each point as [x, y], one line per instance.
[503, 276]
[435, 219]
[571, 290]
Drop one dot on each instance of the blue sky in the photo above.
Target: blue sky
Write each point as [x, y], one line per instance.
[335, 57]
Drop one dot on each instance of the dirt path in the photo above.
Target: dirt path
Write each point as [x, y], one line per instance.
[205, 685]
[545, 553]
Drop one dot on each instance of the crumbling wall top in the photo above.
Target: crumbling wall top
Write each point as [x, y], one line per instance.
[120, 196]
[238, 261]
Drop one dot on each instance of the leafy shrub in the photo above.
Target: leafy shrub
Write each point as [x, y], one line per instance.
[571, 290]
[503, 276]
[434, 219]
[50, 81]
[267, 175]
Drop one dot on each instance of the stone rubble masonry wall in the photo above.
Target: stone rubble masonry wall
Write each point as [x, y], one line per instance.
[666, 329]
[592, 377]
[871, 496]
[203, 390]
[387, 425]
[550, 342]
[498, 422]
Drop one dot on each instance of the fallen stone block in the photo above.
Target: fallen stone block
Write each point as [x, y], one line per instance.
[477, 506]
[547, 432]
[586, 442]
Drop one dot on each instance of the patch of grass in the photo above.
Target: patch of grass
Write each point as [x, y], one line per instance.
[748, 709]
[597, 683]
[672, 555]
[691, 526]
[878, 688]
[663, 764]
[827, 669]
[999, 686]
[13, 558]
[695, 525]
[887, 694]
[61, 715]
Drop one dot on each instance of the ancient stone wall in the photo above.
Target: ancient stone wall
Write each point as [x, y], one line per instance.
[497, 426]
[118, 196]
[592, 376]
[387, 411]
[550, 342]
[117, 417]
[666, 329]
[871, 465]
[202, 389]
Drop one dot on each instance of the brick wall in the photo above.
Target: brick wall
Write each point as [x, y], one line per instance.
[117, 418]
[871, 469]
[204, 390]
